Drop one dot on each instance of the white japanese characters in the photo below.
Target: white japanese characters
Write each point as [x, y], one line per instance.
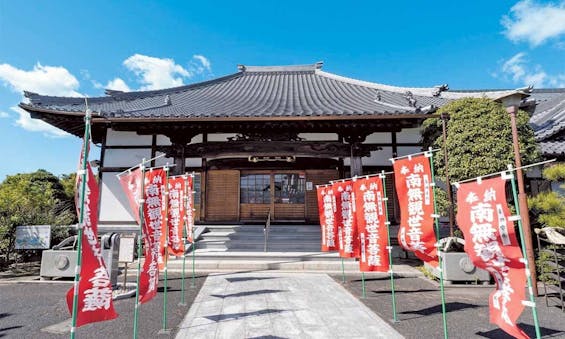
[154, 215]
[371, 212]
[330, 225]
[418, 186]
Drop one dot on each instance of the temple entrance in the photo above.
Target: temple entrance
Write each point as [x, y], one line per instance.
[281, 192]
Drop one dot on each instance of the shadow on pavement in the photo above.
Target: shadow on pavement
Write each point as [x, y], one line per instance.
[234, 316]
[243, 294]
[449, 307]
[404, 291]
[238, 279]
[529, 329]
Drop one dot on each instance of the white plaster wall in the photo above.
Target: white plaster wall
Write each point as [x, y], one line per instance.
[114, 205]
[404, 150]
[163, 140]
[220, 136]
[125, 157]
[197, 139]
[120, 138]
[319, 136]
[193, 162]
[377, 138]
[408, 135]
[379, 158]
[163, 160]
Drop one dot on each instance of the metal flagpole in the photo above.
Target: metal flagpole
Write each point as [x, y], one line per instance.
[342, 271]
[191, 199]
[363, 281]
[436, 221]
[184, 234]
[141, 221]
[389, 247]
[86, 142]
[532, 302]
[166, 249]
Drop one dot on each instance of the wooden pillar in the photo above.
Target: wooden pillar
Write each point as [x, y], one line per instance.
[355, 163]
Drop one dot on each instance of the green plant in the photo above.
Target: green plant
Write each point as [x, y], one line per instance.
[545, 266]
[427, 273]
[36, 198]
[549, 207]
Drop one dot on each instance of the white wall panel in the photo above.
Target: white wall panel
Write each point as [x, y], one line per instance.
[193, 162]
[163, 160]
[376, 138]
[197, 139]
[379, 158]
[163, 140]
[120, 138]
[125, 157]
[220, 136]
[408, 150]
[408, 135]
[114, 205]
[319, 136]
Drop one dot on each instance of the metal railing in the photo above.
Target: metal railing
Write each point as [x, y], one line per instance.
[266, 231]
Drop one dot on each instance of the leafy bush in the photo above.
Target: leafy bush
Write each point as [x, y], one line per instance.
[36, 198]
[549, 207]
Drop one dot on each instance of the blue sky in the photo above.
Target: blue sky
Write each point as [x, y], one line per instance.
[80, 48]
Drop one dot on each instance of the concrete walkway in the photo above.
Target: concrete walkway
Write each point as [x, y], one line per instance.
[279, 305]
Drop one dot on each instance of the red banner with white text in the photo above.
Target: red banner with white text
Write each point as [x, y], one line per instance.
[415, 197]
[189, 209]
[371, 224]
[131, 184]
[490, 241]
[327, 221]
[345, 219]
[176, 214]
[94, 287]
[153, 218]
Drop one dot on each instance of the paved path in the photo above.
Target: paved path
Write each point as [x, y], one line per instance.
[279, 305]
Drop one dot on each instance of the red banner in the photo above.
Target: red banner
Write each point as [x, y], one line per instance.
[131, 184]
[345, 219]
[94, 287]
[189, 215]
[328, 225]
[490, 242]
[415, 197]
[152, 212]
[371, 224]
[176, 214]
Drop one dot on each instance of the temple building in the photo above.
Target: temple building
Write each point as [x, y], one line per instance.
[261, 139]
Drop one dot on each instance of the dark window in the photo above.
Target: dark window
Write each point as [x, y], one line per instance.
[289, 188]
[255, 189]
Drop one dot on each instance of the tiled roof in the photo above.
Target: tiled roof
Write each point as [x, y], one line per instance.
[256, 92]
[299, 91]
[553, 148]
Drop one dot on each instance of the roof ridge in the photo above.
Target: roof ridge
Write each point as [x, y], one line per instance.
[282, 68]
[422, 91]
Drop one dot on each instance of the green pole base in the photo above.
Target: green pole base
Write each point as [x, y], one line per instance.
[164, 331]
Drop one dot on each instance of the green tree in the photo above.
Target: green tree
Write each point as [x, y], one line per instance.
[479, 139]
[549, 207]
[33, 199]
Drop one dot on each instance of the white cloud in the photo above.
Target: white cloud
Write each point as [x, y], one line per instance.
[522, 73]
[156, 73]
[48, 80]
[118, 85]
[36, 125]
[533, 22]
[4, 115]
[201, 63]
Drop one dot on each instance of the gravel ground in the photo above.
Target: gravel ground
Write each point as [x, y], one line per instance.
[28, 307]
[419, 312]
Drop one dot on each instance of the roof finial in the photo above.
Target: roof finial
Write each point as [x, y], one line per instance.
[241, 68]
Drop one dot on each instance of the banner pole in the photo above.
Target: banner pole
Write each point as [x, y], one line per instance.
[363, 282]
[526, 264]
[184, 233]
[436, 222]
[166, 249]
[342, 271]
[192, 284]
[383, 182]
[141, 204]
[85, 149]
